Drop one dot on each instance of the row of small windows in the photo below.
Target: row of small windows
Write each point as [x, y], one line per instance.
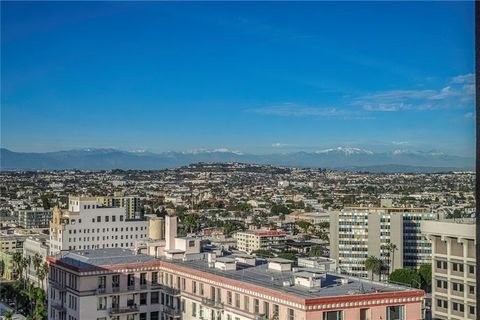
[104, 245]
[458, 267]
[107, 230]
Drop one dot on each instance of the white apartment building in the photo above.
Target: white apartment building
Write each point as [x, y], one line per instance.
[249, 241]
[88, 225]
[453, 268]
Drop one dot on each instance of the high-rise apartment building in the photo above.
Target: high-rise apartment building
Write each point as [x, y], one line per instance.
[89, 225]
[359, 232]
[453, 268]
[249, 241]
[130, 203]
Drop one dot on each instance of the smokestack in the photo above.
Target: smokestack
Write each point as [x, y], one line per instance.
[170, 232]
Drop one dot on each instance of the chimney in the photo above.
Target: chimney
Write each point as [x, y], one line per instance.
[170, 232]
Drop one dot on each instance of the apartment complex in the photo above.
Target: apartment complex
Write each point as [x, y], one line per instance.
[89, 225]
[359, 232]
[34, 218]
[131, 204]
[249, 241]
[453, 268]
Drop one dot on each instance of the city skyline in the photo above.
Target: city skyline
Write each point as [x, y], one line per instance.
[185, 76]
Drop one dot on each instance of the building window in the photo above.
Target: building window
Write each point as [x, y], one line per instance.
[246, 301]
[471, 269]
[458, 287]
[237, 300]
[458, 307]
[131, 281]
[115, 282]
[102, 283]
[143, 316]
[395, 313]
[229, 297]
[332, 315]
[143, 298]
[102, 303]
[143, 279]
[99, 219]
[365, 314]
[154, 315]
[201, 289]
[107, 218]
[154, 297]
[121, 219]
[291, 315]
[154, 277]
[442, 303]
[471, 289]
[113, 220]
[472, 309]
[256, 306]
[458, 267]
[194, 287]
[266, 309]
[194, 309]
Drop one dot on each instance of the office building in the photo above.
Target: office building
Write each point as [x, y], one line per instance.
[89, 225]
[453, 268]
[359, 232]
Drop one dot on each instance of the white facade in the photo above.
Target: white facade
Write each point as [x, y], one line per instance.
[87, 225]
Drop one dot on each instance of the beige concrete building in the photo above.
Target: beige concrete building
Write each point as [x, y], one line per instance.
[359, 232]
[453, 268]
[249, 241]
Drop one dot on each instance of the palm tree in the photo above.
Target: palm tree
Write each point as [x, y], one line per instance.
[37, 262]
[390, 247]
[32, 295]
[42, 273]
[374, 265]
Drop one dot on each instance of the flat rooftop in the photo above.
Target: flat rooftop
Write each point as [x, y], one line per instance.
[101, 257]
[259, 275]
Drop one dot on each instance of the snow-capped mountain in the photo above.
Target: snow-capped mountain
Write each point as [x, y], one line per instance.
[338, 157]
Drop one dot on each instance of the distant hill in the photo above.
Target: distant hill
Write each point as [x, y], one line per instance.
[335, 158]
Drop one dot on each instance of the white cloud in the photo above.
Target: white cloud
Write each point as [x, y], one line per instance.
[469, 115]
[465, 78]
[400, 143]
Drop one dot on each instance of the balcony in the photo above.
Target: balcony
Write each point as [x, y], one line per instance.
[131, 287]
[123, 310]
[115, 289]
[171, 291]
[57, 306]
[171, 311]
[260, 317]
[143, 286]
[212, 303]
[101, 290]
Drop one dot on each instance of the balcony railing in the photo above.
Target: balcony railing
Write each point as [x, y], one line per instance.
[171, 311]
[131, 287]
[101, 290]
[57, 305]
[170, 290]
[115, 289]
[123, 310]
[212, 303]
[143, 286]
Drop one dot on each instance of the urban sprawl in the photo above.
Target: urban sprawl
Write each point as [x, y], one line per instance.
[237, 241]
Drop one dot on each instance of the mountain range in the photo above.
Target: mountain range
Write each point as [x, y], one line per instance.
[343, 158]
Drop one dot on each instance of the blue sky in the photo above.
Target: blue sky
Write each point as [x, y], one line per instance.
[255, 77]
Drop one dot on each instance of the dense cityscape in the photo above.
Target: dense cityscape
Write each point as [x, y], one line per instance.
[388, 245]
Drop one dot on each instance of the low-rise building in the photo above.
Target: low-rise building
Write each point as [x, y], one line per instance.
[252, 240]
[34, 218]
